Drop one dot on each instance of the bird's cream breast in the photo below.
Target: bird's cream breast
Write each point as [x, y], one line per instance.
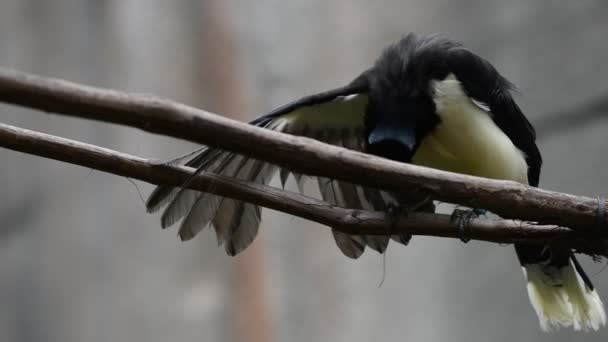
[467, 140]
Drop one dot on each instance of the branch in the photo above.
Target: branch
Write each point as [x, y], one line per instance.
[350, 221]
[303, 155]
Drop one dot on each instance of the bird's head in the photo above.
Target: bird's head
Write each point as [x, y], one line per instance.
[402, 96]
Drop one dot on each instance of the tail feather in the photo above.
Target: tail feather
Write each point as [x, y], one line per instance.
[587, 307]
[561, 298]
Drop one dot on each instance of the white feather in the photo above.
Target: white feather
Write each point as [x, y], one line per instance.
[244, 233]
[587, 307]
[200, 216]
[244, 229]
[351, 246]
[568, 303]
[180, 206]
[185, 198]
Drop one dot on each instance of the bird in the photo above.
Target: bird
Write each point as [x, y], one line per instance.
[426, 100]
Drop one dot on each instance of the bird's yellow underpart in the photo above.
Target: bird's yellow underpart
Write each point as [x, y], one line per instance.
[467, 140]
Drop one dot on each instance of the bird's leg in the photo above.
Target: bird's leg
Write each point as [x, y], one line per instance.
[393, 212]
[463, 219]
[403, 208]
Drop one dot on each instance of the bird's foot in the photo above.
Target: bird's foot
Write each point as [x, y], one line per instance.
[463, 219]
[393, 213]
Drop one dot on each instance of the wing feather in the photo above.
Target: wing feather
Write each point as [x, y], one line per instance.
[484, 84]
[335, 117]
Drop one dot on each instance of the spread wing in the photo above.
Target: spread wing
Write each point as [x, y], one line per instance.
[483, 83]
[335, 117]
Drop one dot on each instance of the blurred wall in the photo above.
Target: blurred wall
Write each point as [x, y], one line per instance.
[81, 260]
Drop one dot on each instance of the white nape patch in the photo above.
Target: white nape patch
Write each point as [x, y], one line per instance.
[571, 304]
[467, 140]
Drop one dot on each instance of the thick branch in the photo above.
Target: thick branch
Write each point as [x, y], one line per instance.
[347, 220]
[303, 155]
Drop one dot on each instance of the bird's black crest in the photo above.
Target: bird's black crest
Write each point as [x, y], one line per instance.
[408, 64]
[401, 77]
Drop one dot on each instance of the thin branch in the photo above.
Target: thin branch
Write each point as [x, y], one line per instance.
[505, 198]
[348, 220]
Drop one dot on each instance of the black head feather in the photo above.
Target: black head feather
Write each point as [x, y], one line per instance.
[400, 92]
[399, 87]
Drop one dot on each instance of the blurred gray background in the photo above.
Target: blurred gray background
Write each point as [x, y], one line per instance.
[80, 260]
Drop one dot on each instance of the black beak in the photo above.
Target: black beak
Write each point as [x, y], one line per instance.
[392, 142]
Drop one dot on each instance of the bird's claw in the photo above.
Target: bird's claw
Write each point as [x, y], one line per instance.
[393, 212]
[479, 212]
[463, 219]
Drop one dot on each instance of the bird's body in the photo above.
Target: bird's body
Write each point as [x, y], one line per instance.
[427, 101]
[467, 140]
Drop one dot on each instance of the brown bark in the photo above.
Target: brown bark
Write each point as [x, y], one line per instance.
[303, 155]
[348, 220]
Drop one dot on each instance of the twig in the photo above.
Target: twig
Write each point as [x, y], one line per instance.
[303, 155]
[348, 220]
